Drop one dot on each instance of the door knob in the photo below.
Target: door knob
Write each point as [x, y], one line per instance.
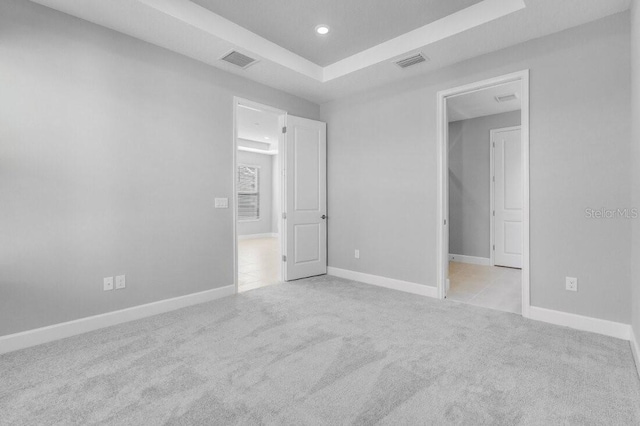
[323, 216]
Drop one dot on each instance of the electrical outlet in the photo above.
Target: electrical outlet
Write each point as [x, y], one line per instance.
[571, 284]
[120, 282]
[357, 254]
[221, 203]
[107, 284]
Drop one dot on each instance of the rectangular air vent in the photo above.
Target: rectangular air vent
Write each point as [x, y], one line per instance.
[506, 98]
[238, 59]
[411, 60]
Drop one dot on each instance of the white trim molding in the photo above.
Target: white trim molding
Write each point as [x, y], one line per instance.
[256, 236]
[185, 13]
[635, 350]
[406, 286]
[25, 339]
[473, 260]
[579, 322]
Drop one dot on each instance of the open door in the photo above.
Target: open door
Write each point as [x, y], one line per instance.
[305, 193]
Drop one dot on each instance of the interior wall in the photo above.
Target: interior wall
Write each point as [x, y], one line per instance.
[265, 187]
[469, 182]
[382, 156]
[635, 190]
[112, 151]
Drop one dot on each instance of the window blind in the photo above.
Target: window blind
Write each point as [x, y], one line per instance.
[248, 193]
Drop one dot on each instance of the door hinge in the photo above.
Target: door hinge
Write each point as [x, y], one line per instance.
[445, 221]
[494, 144]
[284, 215]
[494, 212]
[494, 178]
[284, 129]
[494, 247]
[284, 258]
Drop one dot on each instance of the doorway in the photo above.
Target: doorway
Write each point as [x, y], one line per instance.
[483, 203]
[258, 194]
[280, 198]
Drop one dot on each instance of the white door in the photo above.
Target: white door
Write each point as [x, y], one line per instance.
[305, 198]
[507, 160]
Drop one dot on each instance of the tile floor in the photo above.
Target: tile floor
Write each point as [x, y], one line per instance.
[258, 263]
[488, 286]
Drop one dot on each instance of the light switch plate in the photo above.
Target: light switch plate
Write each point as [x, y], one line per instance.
[222, 203]
[107, 284]
[120, 282]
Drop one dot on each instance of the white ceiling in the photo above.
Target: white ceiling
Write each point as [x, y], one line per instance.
[189, 29]
[482, 102]
[259, 126]
[355, 25]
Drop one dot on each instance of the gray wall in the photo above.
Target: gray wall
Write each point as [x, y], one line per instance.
[264, 225]
[382, 172]
[469, 190]
[635, 113]
[111, 153]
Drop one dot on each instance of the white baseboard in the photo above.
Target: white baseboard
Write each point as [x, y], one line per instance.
[25, 339]
[635, 350]
[470, 259]
[256, 236]
[579, 322]
[408, 287]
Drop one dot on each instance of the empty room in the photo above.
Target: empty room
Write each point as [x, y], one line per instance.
[320, 213]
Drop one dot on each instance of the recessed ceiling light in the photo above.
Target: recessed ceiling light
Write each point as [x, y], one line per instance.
[266, 137]
[323, 29]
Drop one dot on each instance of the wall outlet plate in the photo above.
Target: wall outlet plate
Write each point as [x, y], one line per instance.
[107, 284]
[357, 254]
[120, 282]
[221, 203]
[571, 284]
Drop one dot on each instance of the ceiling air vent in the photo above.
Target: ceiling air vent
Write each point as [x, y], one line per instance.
[238, 59]
[506, 98]
[411, 60]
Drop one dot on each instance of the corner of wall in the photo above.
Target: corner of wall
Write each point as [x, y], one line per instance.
[635, 178]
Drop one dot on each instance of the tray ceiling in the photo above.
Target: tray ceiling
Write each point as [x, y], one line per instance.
[356, 25]
[196, 32]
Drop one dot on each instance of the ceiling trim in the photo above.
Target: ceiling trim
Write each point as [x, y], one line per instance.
[222, 28]
[214, 24]
[188, 29]
[465, 19]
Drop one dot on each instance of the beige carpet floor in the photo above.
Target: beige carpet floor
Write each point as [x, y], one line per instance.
[324, 351]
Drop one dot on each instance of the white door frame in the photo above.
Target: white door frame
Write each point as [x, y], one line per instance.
[443, 177]
[237, 101]
[492, 190]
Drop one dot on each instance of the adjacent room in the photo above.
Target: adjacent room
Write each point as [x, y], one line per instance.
[258, 194]
[485, 197]
[362, 212]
